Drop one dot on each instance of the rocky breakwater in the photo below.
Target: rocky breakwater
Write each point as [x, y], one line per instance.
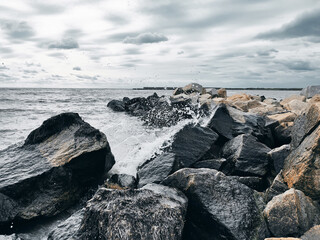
[50, 172]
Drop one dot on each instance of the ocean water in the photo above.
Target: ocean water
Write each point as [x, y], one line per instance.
[22, 110]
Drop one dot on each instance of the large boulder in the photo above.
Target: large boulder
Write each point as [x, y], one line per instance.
[246, 156]
[291, 98]
[229, 122]
[310, 91]
[193, 87]
[291, 214]
[222, 93]
[154, 212]
[277, 187]
[312, 234]
[301, 168]
[57, 163]
[116, 105]
[278, 155]
[219, 206]
[189, 145]
[296, 106]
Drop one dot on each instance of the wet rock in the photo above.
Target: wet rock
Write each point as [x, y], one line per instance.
[222, 93]
[310, 91]
[301, 168]
[246, 156]
[193, 87]
[229, 123]
[277, 187]
[56, 165]
[155, 212]
[291, 214]
[178, 91]
[312, 234]
[305, 124]
[211, 163]
[278, 155]
[68, 228]
[116, 105]
[219, 206]
[124, 181]
[189, 145]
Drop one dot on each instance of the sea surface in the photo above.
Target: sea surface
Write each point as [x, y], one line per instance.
[22, 110]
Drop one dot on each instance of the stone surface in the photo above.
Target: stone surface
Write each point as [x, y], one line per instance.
[116, 105]
[219, 206]
[288, 238]
[277, 187]
[122, 181]
[213, 92]
[193, 87]
[239, 97]
[312, 234]
[211, 163]
[291, 98]
[314, 99]
[291, 214]
[296, 106]
[310, 91]
[55, 166]
[246, 156]
[155, 212]
[189, 145]
[283, 133]
[283, 117]
[222, 93]
[301, 168]
[278, 155]
[177, 91]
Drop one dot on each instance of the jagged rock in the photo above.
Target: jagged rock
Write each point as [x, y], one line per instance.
[278, 155]
[272, 101]
[301, 167]
[68, 228]
[189, 145]
[116, 105]
[193, 87]
[222, 93]
[211, 163]
[312, 234]
[178, 91]
[283, 133]
[213, 92]
[310, 91]
[58, 162]
[291, 214]
[256, 183]
[277, 187]
[305, 124]
[296, 106]
[219, 206]
[246, 156]
[314, 99]
[291, 98]
[283, 117]
[121, 181]
[229, 123]
[239, 97]
[155, 212]
[247, 105]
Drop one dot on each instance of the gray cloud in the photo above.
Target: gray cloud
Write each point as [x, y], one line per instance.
[44, 8]
[66, 43]
[128, 65]
[306, 25]
[32, 72]
[87, 77]
[117, 19]
[299, 65]
[76, 68]
[57, 55]
[146, 38]
[267, 53]
[3, 67]
[133, 51]
[17, 30]
[73, 33]
[180, 52]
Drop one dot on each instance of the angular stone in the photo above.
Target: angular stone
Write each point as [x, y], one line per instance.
[291, 98]
[283, 117]
[124, 181]
[211, 163]
[291, 214]
[219, 206]
[278, 155]
[314, 99]
[213, 92]
[312, 234]
[178, 91]
[193, 87]
[222, 93]
[239, 97]
[296, 106]
[155, 212]
[310, 91]
[116, 105]
[56, 165]
[277, 187]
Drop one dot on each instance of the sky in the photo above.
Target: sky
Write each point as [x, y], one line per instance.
[125, 44]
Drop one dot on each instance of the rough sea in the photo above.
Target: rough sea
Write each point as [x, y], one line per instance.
[22, 110]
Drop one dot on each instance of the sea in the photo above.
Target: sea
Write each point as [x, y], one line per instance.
[131, 142]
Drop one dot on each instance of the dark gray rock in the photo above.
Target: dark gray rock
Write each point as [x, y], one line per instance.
[277, 187]
[116, 105]
[246, 156]
[178, 91]
[310, 91]
[219, 206]
[278, 155]
[282, 133]
[256, 183]
[56, 165]
[291, 214]
[211, 163]
[155, 212]
[193, 87]
[189, 145]
[312, 234]
[122, 180]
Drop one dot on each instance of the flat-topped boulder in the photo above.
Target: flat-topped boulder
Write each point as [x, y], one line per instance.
[57, 163]
[310, 91]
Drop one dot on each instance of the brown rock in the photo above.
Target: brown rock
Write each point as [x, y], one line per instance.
[312, 234]
[293, 97]
[222, 92]
[296, 106]
[239, 97]
[315, 99]
[283, 117]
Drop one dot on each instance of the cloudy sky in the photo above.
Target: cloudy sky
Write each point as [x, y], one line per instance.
[116, 44]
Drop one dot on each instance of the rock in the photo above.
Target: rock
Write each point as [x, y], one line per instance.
[301, 168]
[10, 237]
[178, 91]
[291, 214]
[246, 156]
[56, 165]
[229, 123]
[247, 105]
[305, 124]
[213, 92]
[189, 145]
[219, 206]
[296, 106]
[278, 155]
[282, 133]
[291, 98]
[155, 212]
[277, 187]
[283, 117]
[239, 97]
[265, 110]
[312, 234]
[211, 163]
[256, 183]
[193, 87]
[116, 105]
[68, 228]
[123, 181]
[222, 93]
[271, 101]
[310, 91]
[314, 99]
[289, 238]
